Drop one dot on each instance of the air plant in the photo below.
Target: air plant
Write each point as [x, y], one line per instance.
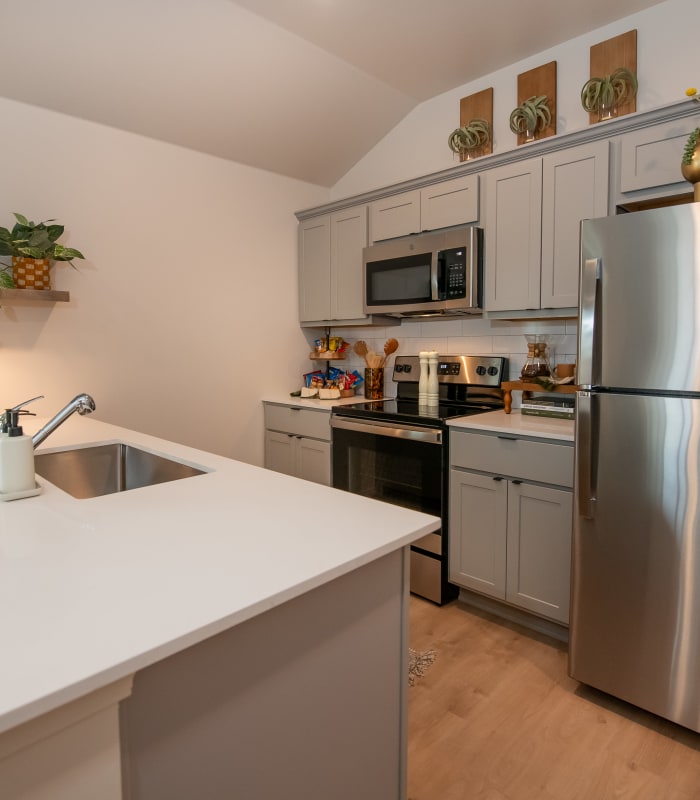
[690, 145]
[531, 115]
[470, 137]
[608, 92]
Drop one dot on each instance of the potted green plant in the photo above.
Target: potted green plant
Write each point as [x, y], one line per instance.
[531, 116]
[469, 140]
[32, 247]
[603, 96]
[690, 163]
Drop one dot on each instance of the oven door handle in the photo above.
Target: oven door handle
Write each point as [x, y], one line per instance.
[395, 430]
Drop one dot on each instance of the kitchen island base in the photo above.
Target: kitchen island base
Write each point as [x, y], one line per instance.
[306, 700]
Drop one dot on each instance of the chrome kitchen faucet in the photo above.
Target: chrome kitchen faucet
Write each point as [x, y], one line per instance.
[82, 403]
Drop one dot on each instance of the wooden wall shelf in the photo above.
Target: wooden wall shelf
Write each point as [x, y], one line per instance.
[34, 295]
[528, 388]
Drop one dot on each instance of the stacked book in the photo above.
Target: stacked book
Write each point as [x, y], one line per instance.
[561, 406]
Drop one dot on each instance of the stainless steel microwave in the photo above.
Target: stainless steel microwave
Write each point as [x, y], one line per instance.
[426, 274]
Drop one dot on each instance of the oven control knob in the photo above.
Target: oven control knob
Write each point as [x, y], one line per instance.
[481, 370]
[493, 370]
[406, 367]
[398, 367]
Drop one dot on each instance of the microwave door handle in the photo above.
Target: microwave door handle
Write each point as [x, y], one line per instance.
[434, 275]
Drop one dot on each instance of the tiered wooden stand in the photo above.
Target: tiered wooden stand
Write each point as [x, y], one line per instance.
[528, 388]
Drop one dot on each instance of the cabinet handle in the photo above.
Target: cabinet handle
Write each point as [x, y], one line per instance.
[518, 482]
[497, 478]
[507, 438]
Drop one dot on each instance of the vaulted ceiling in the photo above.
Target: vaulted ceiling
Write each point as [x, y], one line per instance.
[303, 88]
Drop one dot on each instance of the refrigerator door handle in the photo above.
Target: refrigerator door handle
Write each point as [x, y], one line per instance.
[590, 275]
[584, 455]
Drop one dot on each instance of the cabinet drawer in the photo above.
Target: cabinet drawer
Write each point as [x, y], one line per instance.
[542, 462]
[397, 215]
[301, 421]
[449, 203]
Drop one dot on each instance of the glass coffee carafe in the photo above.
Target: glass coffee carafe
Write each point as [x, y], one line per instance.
[537, 364]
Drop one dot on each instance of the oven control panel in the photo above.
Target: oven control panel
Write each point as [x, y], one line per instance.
[470, 370]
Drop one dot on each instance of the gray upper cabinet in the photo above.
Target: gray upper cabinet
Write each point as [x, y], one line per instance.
[315, 268]
[651, 157]
[533, 212]
[575, 186]
[513, 231]
[330, 266]
[530, 203]
[441, 205]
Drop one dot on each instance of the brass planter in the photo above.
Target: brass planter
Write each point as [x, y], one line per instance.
[691, 172]
[31, 273]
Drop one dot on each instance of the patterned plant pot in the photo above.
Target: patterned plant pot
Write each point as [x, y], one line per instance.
[31, 273]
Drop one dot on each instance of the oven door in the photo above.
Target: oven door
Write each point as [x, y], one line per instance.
[403, 465]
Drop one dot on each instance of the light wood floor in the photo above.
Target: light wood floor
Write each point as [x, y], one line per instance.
[497, 718]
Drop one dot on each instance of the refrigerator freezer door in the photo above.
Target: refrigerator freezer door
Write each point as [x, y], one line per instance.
[640, 323]
[635, 614]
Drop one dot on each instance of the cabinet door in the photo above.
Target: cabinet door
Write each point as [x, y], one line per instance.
[539, 549]
[394, 216]
[314, 460]
[280, 452]
[513, 229]
[574, 187]
[315, 269]
[449, 203]
[650, 157]
[348, 237]
[477, 525]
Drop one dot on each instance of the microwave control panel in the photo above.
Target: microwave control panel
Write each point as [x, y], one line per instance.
[455, 271]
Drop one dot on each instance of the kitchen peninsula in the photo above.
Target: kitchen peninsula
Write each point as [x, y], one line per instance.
[239, 633]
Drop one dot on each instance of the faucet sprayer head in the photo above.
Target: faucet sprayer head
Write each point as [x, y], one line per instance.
[86, 405]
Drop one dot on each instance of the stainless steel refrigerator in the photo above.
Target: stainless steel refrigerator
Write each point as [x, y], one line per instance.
[635, 615]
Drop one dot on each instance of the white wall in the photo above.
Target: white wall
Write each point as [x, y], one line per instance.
[667, 64]
[184, 312]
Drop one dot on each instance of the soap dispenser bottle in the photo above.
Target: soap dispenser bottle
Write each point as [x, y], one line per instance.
[16, 456]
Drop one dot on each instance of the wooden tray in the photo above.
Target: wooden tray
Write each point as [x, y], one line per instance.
[528, 388]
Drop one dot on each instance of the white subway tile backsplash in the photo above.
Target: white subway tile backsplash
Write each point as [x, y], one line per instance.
[473, 336]
[469, 345]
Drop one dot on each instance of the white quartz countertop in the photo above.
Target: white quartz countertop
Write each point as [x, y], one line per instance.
[93, 590]
[313, 403]
[517, 424]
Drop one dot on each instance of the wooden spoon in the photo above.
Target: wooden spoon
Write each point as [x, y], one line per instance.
[360, 348]
[390, 346]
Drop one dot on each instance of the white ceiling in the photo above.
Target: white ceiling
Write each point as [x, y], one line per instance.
[303, 88]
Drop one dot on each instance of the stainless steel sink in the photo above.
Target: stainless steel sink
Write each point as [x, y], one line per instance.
[107, 468]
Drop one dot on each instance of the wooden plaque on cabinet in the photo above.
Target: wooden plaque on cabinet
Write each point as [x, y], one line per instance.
[477, 106]
[607, 56]
[541, 80]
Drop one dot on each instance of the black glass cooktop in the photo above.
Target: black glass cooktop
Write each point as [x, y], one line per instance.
[409, 411]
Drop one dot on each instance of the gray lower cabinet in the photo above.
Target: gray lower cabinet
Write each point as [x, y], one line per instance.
[298, 442]
[510, 520]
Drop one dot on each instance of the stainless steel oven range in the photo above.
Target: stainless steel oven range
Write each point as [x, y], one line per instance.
[396, 450]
